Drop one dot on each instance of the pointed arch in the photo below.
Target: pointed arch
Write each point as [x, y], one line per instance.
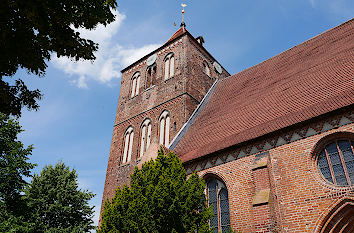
[169, 66]
[128, 144]
[164, 120]
[218, 197]
[340, 219]
[206, 68]
[135, 84]
[151, 76]
[145, 136]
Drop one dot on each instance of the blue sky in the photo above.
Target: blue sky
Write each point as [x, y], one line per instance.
[76, 117]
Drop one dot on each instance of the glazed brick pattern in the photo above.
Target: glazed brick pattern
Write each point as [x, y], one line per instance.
[300, 197]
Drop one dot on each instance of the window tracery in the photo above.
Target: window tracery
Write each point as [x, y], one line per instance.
[151, 76]
[145, 136]
[169, 66]
[128, 145]
[336, 162]
[206, 68]
[135, 86]
[164, 128]
[217, 195]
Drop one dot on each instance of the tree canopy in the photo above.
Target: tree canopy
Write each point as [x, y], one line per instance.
[51, 202]
[31, 30]
[56, 202]
[14, 168]
[160, 199]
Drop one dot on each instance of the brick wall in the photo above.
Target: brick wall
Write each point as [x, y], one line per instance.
[300, 198]
[179, 95]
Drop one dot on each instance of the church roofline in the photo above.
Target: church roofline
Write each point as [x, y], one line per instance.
[170, 41]
[329, 48]
[191, 119]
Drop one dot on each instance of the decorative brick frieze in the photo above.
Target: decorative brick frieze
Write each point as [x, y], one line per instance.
[297, 132]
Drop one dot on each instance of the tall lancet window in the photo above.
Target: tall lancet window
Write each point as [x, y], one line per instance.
[135, 84]
[165, 128]
[218, 197]
[169, 66]
[145, 136]
[151, 76]
[128, 145]
[206, 68]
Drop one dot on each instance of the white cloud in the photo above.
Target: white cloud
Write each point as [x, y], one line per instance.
[110, 57]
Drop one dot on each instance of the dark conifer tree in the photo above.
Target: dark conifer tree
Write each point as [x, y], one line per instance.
[160, 199]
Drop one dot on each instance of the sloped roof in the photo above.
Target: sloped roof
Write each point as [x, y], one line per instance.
[308, 80]
[179, 32]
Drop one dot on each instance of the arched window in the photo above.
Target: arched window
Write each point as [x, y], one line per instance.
[165, 128]
[128, 145]
[218, 197]
[169, 66]
[336, 162]
[151, 76]
[135, 84]
[145, 136]
[339, 219]
[206, 68]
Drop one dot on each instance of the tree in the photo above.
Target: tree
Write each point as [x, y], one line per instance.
[56, 202]
[31, 30]
[160, 199]
[14, 167]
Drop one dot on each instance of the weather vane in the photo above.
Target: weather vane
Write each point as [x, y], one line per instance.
[183, 24]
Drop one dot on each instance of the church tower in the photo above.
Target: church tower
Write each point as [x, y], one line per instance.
[158, 94]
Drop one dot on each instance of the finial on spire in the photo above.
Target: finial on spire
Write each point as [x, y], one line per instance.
[183, 24]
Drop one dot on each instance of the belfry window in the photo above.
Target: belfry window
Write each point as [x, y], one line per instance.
[151, 76]
[206, 68]
[218, 197]
[169, 66]
[135, 86]
[128, 145]
[336, 162]
[164, 128]
[145, 136]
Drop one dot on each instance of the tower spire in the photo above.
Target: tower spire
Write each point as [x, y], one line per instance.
[183, 24]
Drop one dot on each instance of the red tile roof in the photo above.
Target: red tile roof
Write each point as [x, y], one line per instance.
[179, 32]
[308, 80]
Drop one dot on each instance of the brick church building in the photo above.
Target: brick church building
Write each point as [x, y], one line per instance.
[274, 142]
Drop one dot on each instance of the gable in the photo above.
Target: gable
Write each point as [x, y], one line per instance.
[308, 80]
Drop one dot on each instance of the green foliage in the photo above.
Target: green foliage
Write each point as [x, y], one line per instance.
[31, 30]
[56, 202]
[52, 202]
[14, 97]
[14, 166]
[160, 199]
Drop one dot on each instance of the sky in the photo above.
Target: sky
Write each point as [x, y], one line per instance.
[75, 121]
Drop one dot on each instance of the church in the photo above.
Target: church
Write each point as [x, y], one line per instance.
[274, 143]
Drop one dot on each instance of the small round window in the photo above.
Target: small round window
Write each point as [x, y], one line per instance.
[336, 162]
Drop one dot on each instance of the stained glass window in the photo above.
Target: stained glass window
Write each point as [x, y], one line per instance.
[219, 200]
[336, 162]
